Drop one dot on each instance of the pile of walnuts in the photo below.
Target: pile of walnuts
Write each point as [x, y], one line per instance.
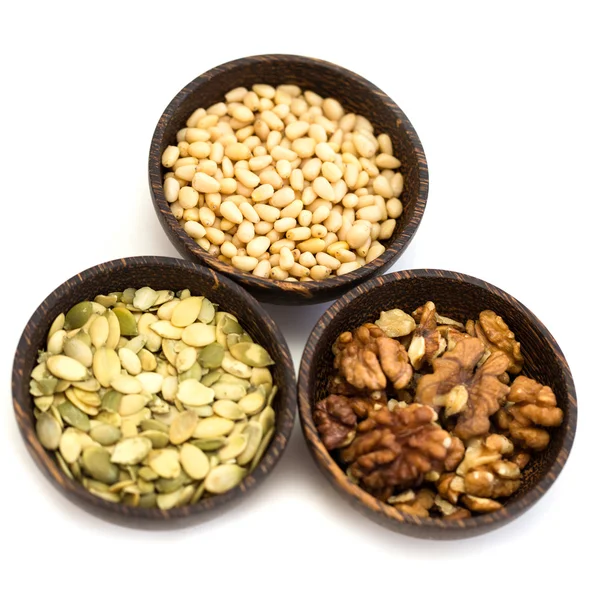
[431, 415]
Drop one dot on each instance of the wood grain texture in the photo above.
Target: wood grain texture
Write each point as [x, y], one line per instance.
[159, 273]
[461, 297]
[356, 95]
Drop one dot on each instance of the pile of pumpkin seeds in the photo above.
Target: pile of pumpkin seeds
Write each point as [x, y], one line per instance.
[152, 398]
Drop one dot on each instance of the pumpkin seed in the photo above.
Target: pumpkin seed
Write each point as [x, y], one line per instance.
[127, 322]
[82, 406]
[185, 359]
[48, 431]
[121, 485]
[166, 486]
[182, 427]
[194, 372]
[61, 386]
[193, 393]
[131, 404]
[111, 401]
[126, 384]
[74, 416]
[235, 367]
[43, 403]
[158, 439]
[78, 350]
[89, 385]
[251, 354]
[144, 298]
[163, 296]
[167, 501]
[209, 444]
[167, 330]
[128, 295]
[67, 368]
[168, 348]
[211, 377]
[47, 386]
[165, 463]
[78, 315]
[272, 395]
[114, 330]
[207, 311]
[130, 362]
[109, 418]
[147, 360]
[252, 403]
[187, 311]
[199, 334]
[89, 398]
[57, 325]
[131, 451]
[64, 467]
[202, 411]
[99, 331]
[165, 312]
[106, 365]
[96, 462]
[229, 324]
[56, 343]
[254, 432]
[183, 294]
[151, 382]
[266, 418]
[194, 461]
[235, 446]
[223, 478]
[211, 356]
[213, 427]
[152, 425]
[224, 390]
[147, 474]
[261, 375]
[147, 501]
[197, 494]
[107, 301]
[228, 409]
[264, 444]
[105, 434]
[135, 344]
[153, 341]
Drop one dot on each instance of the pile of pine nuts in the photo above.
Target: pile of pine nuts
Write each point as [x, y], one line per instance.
[284, 184]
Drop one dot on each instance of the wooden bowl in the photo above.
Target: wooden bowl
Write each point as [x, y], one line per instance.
[461, 297]
[357, 95]
[160, 273]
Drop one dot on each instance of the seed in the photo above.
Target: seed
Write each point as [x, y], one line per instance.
[126, 384]
[114, 330]
[78, 315]
[347, 267]
[183, 427]
[375, 251]
[193, 393]
[253, 432]
[194, 462]
[252, 403]
[106, 365]
[223, 478]
[105, 434]
[387, 229]
[97, 463]
[199, 334]
[65, 367]
[236, 444]
[258, 246]
[130, 361]
[48, 431]
[70, 445]
[213, 427]
[151, 382]
[131, 404]
[131, 451]
[264, 444]
[251, 354]
[323, 188]
[165, 463]
[127, 322]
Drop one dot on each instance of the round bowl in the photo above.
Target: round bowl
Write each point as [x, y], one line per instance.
[357, 95]
[160, 273]
[460, 297]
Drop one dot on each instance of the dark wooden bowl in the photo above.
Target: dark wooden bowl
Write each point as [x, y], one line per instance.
[160, 273]
[356, 94]
[461, 297]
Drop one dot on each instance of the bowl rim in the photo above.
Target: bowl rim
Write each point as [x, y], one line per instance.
[304, 288]
[23, 405]
[377, 508]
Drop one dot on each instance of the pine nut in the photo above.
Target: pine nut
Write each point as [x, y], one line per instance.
[191, 214]
[215, 236]
[213, 201]
[318, 231]
[298, 234]
[297, 270]
[308, 196]
[257, 163]
[312, 245]
[263, 227]
[382, 187]
[169, 156]
[274, 236]
[262, 269]
[297, 180]
[311, 169]
[347, 268]
[286, 258]
[231, 212]
[397, 184]
[375, 251]
[323, 188]
[248, 212]
[267, 212]
[263, 90]
[263, 192]
[328, 261]
[333, 221]
[285, 224]
[319, 272]
[283, 168]
[387, 229]
[177, 210]
[258, 246]
[293, 209]
[278, 273]
[271, 177]
[245, 231]
[358, 234]
[305, 218]
[203, 243]
[283, 197]
[188, 197]
[204, 183]
[247, 178]
[244, 263]
[307, 259]
[369, 213]
[194, 229]
[282, 243]
[171, 189]
[228, 249]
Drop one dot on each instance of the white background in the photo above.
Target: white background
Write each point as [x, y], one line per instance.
[505, 100]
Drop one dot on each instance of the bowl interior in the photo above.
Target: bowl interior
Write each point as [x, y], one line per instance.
[354, 92]
[459, 297]
[159, 273]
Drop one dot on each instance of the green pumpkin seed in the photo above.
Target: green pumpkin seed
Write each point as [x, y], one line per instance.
[223, 390]
[198, 493]
[168, 501]
[182, 427]
[235, 446]
[40, 372]
[109, 418]
[61, 386]
[159, 439]
[64, 467]
[211, 356]
[193, 393]
[89, 385]
[67, 368]
[228, 409]
[96, 462]
[57, 325]
[213, 427]
[34, 389]
[207, 311]
[56, 343]
[210, 378]
[135, 344]
[167, 486]
[187, 311]
[254, 433]
[229, 324]
[165, 463]
[127, 322]
[131, 451]
[223, 478]
[107, 301]
[105, 434]
[111, 401]
[88, 398]
[114, 330]
[235, 367]
[163, 296]
[199, 335]
[264, 444]
[144, 298]
[194, 372]
[47, 386]
[209, 444]
[74, 416]
[194, 461]
[92, 411]
[151, 425]
[272, 395]
[252, 403]
[233, 339]
[251, 354]
[147, 501]
[78, 315]
[48, 431]
[43, 403]
[147, 474]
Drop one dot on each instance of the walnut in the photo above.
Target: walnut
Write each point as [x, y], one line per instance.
[483, 390]
[497, 337]
[456, 453]
[335, 420]
[366, 356]
[395, 323]
[417, 504]
[427, 342]
[530, 406]
[459, 513]
[452, 335]
[397, 448]
[484, 505]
